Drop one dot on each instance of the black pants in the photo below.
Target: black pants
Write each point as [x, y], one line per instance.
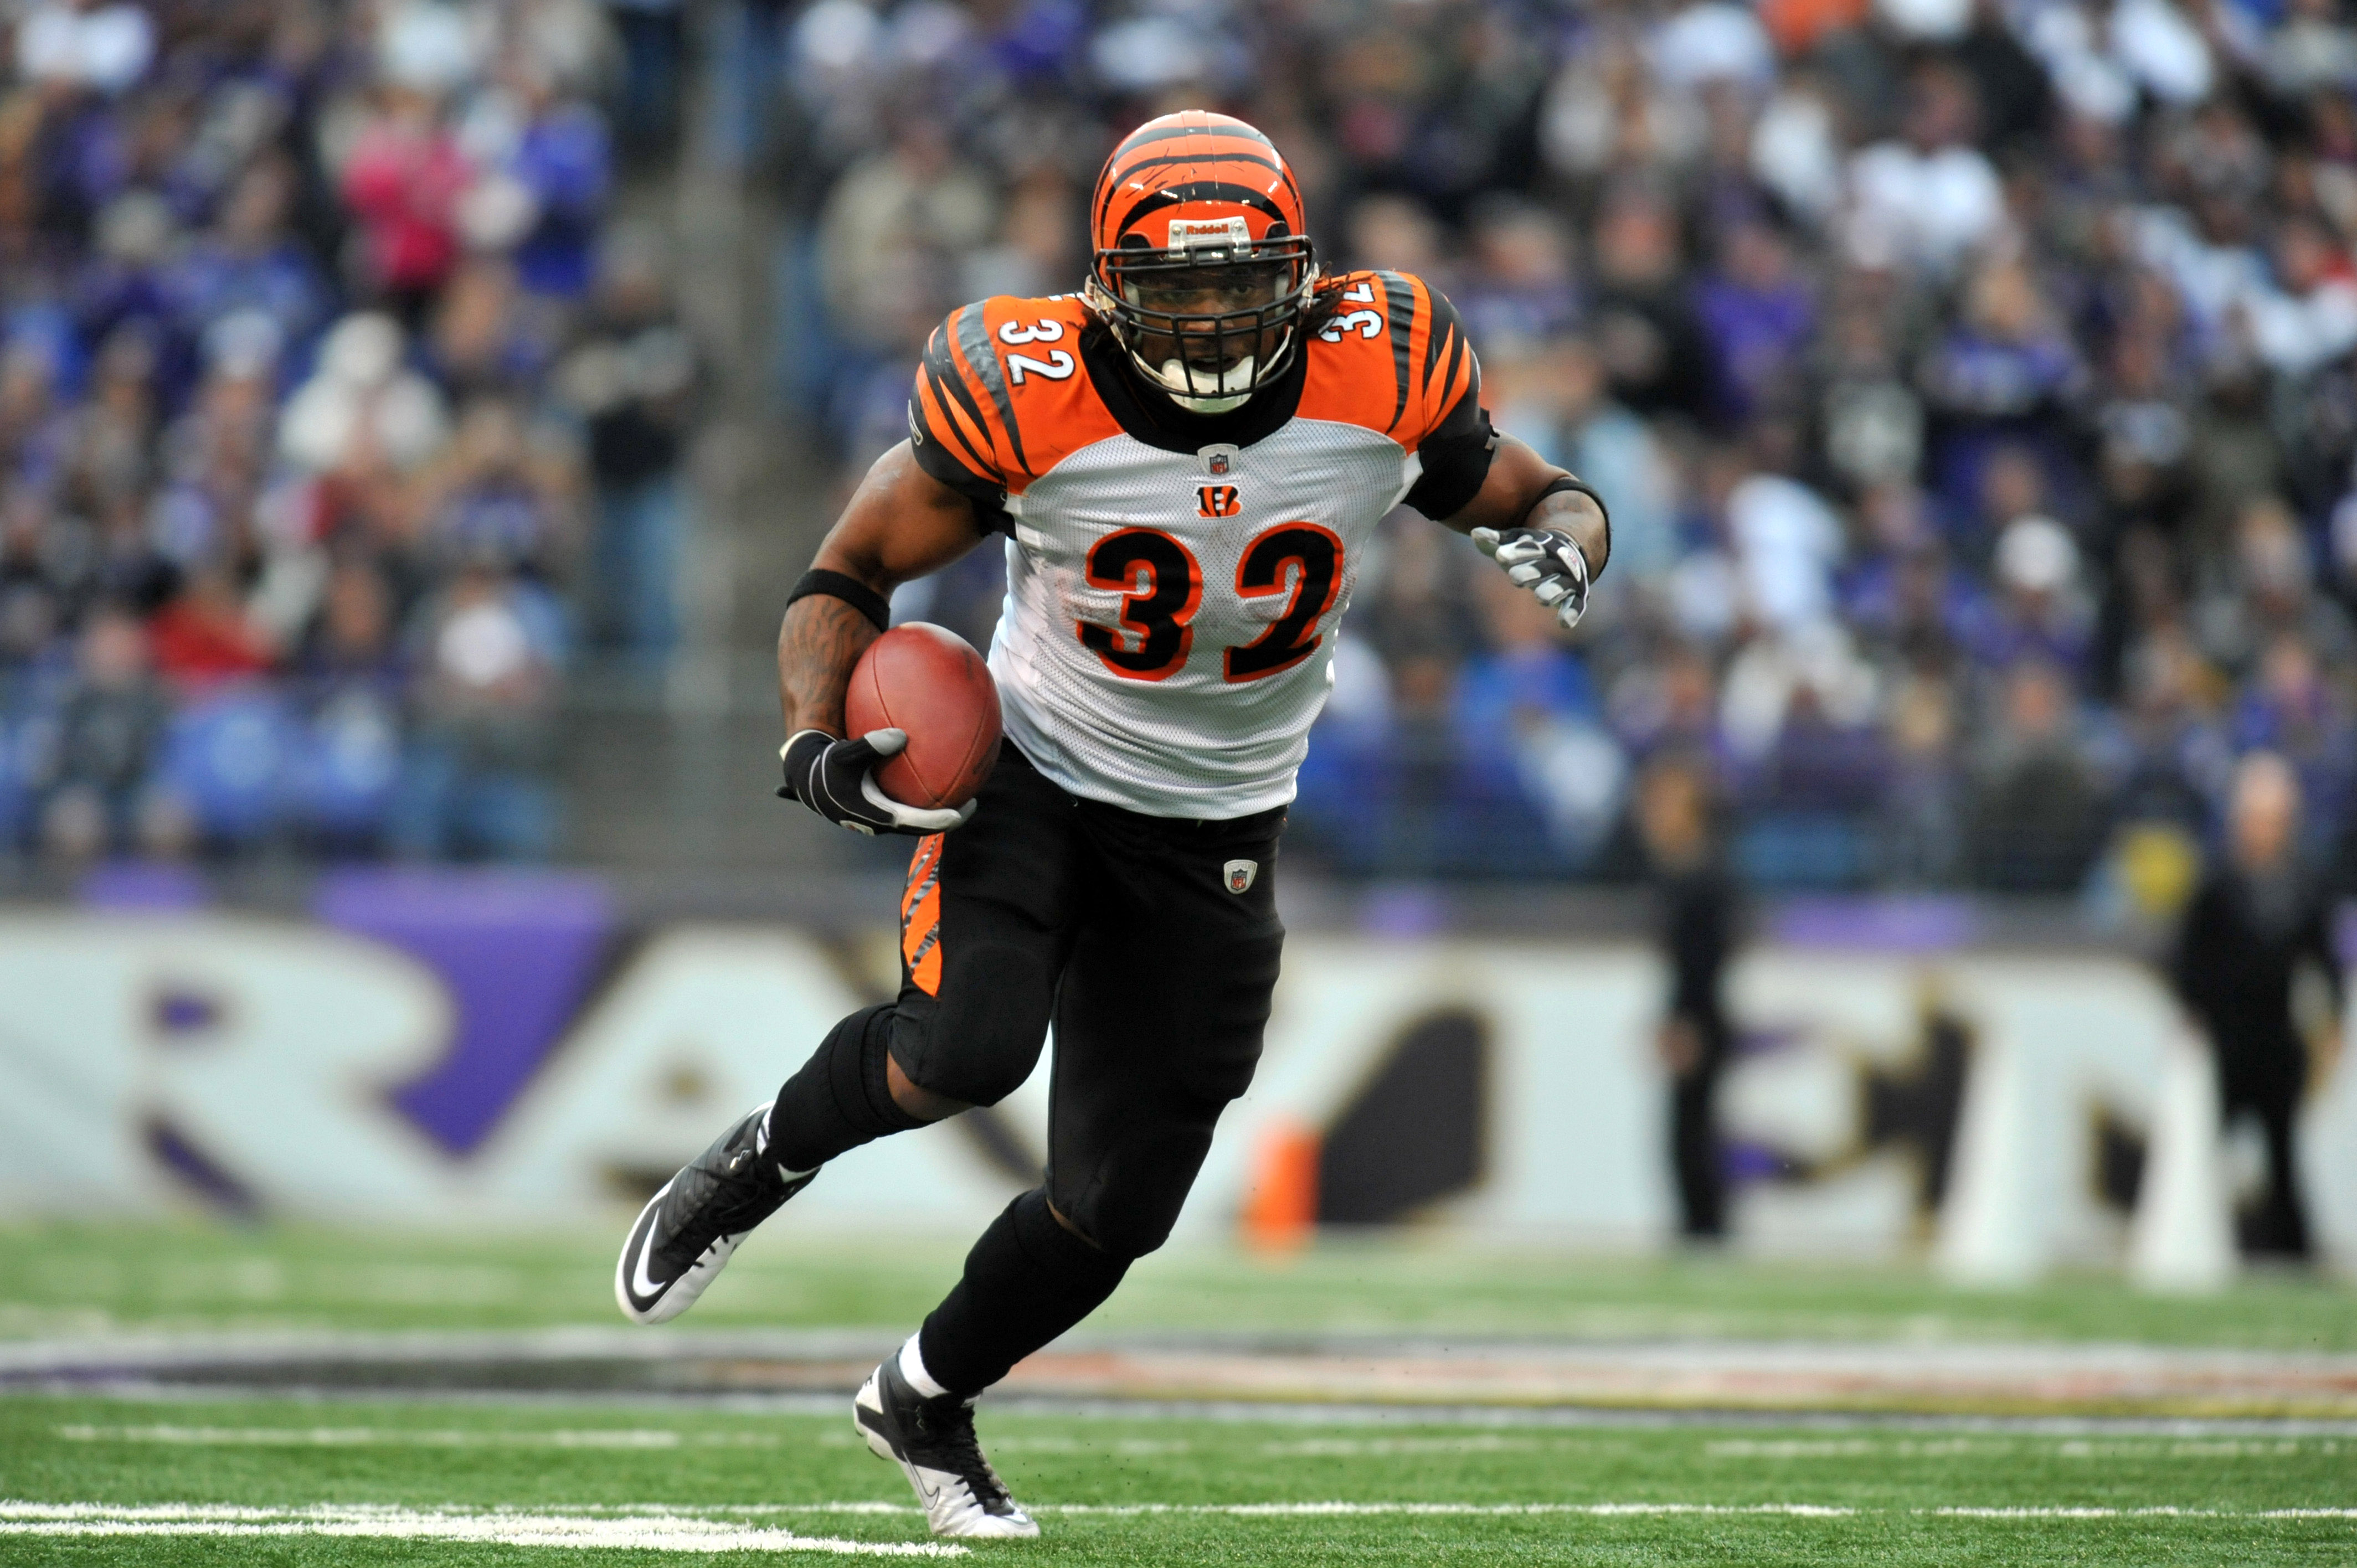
[2264, 1078]
[1693, 1147]
[1151, 943]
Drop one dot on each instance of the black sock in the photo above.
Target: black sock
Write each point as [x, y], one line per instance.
[841, 1099]
[1027, 1281]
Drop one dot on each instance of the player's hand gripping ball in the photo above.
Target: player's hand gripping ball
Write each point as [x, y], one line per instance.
[1545, 562]
[923, 716]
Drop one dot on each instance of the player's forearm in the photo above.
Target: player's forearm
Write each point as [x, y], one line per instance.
[821, 638]
[901, 524]
[1514, 496]
[1580, 517]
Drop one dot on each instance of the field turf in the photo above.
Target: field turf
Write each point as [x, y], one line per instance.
[1123, 1490]
[212, 1479]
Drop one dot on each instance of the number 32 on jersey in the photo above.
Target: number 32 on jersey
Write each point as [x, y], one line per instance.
[1162, 589]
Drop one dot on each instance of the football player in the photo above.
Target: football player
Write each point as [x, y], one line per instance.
[1187, 460]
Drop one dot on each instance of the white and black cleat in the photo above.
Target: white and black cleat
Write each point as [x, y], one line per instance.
[683, 1237]
[933, 1443]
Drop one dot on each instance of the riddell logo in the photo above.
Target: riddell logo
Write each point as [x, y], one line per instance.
[1217, 500]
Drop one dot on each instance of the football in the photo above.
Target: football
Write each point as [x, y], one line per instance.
[928, 680]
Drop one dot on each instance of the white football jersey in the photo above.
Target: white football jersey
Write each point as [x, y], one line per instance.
[1173, 581]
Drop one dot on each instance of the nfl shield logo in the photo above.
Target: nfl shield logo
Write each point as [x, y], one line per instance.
[1219, 459]
[1240, 874]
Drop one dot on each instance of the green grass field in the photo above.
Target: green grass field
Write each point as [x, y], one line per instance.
[1882, 1493]
[217, 1480]
[64, 1279]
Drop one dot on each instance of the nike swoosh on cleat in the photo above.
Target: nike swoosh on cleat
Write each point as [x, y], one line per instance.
[643, 1284]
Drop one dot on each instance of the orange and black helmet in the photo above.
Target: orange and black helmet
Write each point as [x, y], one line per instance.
[1202, 264]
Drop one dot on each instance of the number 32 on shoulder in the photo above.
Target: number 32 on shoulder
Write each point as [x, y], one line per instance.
[1058, 366]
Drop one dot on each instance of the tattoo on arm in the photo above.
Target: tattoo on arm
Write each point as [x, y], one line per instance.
[821, 638]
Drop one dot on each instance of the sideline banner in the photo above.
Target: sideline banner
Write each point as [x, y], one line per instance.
[498, 1047]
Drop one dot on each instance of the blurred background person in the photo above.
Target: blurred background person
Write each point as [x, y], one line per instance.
[2256, 924]
[1699, 929]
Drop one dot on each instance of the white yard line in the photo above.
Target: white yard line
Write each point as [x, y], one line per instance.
[2157, 1512]
[1512, 1510]
[645, 1532]
[709, 1530]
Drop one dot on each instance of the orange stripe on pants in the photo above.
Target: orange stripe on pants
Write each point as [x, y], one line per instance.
[920, 916]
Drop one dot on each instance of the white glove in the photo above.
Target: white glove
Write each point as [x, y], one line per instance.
[1544, 561]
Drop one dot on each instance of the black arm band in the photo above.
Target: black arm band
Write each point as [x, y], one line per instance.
[851, 591]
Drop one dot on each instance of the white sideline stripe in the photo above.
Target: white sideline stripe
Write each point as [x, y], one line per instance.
[663, 1532]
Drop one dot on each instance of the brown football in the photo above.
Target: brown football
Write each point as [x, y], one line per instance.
[928, 680]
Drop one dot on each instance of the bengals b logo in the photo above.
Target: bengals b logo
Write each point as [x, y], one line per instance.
[1217, 500]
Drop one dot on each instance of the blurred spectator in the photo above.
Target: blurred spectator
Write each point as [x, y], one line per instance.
[1758, 316]
[2038, 801]
[487, 650]
[1527, 718]
[496, 499]
[2038, 612]
[1922, 827]
[353, 679]
[403, 182]
[251, 262]
[1699, 921]
[552, 174]
[202, 636]
[653, 35]
[1787, 541]
[1556, 400]
[94, 768]
[632, 379]
[1929, 197]
[2254, 927]
[1517, 293]
[362, 406]
[1645, 329]
[2004, 376]
[105, 47]
[487, 336]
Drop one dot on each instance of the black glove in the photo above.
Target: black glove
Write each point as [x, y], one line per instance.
[832, 777]
[1544, 561]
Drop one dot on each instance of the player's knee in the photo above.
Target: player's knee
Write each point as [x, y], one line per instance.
[952, 1083]
[1129, 1206]
[982, 1037]
[1129, 1232]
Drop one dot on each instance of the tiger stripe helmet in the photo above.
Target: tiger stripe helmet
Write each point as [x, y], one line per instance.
[1202, 264]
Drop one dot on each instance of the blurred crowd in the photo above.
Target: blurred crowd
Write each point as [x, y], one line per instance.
[334, 423]
[1970, 380]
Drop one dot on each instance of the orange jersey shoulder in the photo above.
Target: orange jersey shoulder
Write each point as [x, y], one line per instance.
[1390, 356]
[1003, 392]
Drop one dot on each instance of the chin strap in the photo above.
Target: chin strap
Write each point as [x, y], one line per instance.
[1094, 295]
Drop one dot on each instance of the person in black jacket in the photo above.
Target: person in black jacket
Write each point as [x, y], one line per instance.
[2255, 922]
[1698, 935]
